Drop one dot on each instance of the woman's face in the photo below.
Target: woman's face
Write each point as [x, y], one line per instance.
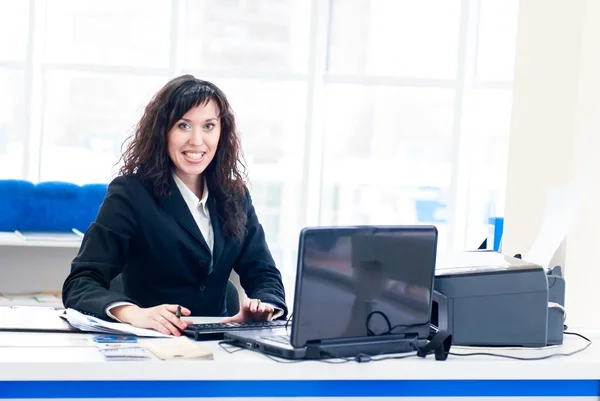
[193, 140]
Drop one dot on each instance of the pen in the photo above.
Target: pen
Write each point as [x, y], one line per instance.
[178, 314]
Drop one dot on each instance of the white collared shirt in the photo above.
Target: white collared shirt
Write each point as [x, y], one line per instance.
[198, 209]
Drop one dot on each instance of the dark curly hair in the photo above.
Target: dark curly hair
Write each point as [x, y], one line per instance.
[147, 155]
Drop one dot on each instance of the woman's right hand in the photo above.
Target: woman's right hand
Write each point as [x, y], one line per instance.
[161, 318]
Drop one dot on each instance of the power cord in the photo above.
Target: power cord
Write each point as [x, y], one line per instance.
[271, 357]
[289, 319]
[334, 360]
[390, 328]
[558, 306]
[364, 358]
[539, 358]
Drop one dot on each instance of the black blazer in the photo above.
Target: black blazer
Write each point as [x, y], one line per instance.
[158, 247]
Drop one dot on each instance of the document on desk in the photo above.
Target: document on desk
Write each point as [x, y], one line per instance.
[32, 318]
[177, 348]
[88, 323]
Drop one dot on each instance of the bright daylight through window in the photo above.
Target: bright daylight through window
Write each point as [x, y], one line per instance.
[362, 111]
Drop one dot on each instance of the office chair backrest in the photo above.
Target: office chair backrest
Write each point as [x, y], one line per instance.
[232, 298]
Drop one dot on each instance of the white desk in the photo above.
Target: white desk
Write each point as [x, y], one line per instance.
[64, 366]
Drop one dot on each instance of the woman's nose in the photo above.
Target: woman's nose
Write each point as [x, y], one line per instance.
[196, 137]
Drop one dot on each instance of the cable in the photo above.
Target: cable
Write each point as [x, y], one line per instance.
[363, 358]
[271, 357]
[390, 328]
[335, 360]
[227, 350]
[556, 305]
[289, 319]
[539, 358]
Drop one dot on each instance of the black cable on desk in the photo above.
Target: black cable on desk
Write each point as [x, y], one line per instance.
[359, 358]
[538, 358]
[363, 358]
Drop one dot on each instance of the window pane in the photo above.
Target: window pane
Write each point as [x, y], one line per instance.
[112, 32]
[14, 24]
[395, 37]
[86, 119]
[238, 35]
[271, 119]
[388, 155]
[12, 123]
[486, 124]
[497, 39]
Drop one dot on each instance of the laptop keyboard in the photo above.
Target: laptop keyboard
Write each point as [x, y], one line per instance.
[223, 327]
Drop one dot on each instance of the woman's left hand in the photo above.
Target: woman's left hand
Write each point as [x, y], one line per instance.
[252, 309]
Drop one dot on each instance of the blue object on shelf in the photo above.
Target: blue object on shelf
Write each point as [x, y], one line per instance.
[48, 206]
[496, 228]
[15, 196]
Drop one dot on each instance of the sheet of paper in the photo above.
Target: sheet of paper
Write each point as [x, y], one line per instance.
[560, 211]
[92, 324]
[34, 318]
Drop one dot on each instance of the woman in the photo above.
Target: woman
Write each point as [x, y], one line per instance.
[176, 221]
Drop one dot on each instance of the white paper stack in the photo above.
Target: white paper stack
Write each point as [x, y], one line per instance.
[92, 324]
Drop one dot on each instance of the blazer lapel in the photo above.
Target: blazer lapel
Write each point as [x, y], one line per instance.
[176, 206]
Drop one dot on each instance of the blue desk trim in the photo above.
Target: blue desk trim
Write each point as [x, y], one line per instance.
[299, 388]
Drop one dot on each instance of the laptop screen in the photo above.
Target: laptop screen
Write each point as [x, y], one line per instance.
[361, 281]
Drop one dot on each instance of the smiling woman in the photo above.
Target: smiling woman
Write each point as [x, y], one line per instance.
[177, 221]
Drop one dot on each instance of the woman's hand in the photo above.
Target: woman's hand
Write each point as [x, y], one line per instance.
[252, 309]
[161, 318]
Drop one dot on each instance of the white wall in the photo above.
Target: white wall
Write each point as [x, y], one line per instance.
[555, 138]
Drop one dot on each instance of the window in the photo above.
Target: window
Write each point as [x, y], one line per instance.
[401, 38]
[248, 35]
[108, 32]
[389, 155]
[415, 103]
[497, 38]
[402, 105]
[487, 126]
[13, 123]
[14, 119]
[87, 117]
[270, 116]
[14, 28]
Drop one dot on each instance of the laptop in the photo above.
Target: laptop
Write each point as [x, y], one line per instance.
[359, 290]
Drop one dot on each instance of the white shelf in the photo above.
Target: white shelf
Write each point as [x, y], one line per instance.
[12, 239]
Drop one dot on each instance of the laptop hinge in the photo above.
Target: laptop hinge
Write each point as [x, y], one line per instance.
[313, 351]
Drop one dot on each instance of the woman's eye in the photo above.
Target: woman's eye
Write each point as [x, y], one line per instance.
[184, 126]
[209, 126]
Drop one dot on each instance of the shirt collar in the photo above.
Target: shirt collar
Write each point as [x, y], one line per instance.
[190, 198]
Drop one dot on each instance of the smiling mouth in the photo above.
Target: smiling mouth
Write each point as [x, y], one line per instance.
[194, 155]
